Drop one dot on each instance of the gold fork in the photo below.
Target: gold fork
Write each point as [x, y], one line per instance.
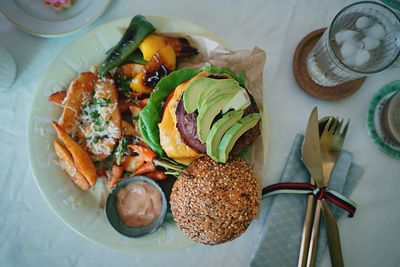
[331, 141]
[335, 250]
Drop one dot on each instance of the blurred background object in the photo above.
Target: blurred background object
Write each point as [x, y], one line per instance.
[8, 69]
[37, 18]
[393, 4]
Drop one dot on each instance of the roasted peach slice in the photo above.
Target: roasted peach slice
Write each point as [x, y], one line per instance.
[67, 163]
[106, 126]
[81, 158]
[79, 91]
[58, 98]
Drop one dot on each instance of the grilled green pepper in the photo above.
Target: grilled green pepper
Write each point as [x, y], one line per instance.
[137, 30]
[135, 57]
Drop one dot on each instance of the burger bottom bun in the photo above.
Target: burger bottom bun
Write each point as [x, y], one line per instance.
[216, 202]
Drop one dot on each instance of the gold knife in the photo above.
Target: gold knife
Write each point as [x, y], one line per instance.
[311, 156]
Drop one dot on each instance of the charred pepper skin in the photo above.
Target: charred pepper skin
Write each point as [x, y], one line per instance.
[137, 31]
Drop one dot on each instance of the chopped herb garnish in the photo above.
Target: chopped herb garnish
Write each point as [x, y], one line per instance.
[96, 140]
[97, 126]
[123, 84]
[95, 114]
[103, 102]
[120, 151]
[136, 57]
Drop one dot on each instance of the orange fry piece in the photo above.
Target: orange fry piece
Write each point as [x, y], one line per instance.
[106, 95]
[78, 90]
[67, 163]
[135, 110]
[99, 150]
[128, 128]
[129, 70]
[116, 174]
[82, 160]
[156, 175]
[106, 146]
[146, 153]
[132, 163]
[105, 90]
[146, 168]
[57, 98]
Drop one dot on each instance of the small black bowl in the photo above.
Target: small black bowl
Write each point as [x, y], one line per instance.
[115, 220]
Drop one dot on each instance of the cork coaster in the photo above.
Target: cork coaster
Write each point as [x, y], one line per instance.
[338, 92]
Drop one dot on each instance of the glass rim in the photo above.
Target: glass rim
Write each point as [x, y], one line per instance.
[342, 64]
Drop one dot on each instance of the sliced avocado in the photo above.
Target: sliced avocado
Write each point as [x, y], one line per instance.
[193, 92]
[232, 135]
[218, 130]
[203, 89]
[241, 100]
[218, 87]
[211, 97]
[208, 113]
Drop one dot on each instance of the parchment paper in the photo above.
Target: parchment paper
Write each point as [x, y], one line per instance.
[252, 63]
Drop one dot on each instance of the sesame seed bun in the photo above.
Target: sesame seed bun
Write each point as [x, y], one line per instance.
[216, 202]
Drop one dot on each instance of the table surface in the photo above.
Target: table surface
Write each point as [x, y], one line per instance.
[32, 235]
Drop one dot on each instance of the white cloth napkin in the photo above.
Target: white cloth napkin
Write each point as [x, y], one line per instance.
[279, 242]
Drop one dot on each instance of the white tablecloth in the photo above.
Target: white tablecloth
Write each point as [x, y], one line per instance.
[32, 235]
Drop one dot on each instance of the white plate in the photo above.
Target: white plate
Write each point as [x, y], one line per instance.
[34, 17]
[80, 209]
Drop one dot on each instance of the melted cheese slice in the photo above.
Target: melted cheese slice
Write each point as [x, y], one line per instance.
[170, 138]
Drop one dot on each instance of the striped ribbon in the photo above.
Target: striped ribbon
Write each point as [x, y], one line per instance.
[320, 193]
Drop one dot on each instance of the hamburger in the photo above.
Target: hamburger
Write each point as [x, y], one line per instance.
[203, 119]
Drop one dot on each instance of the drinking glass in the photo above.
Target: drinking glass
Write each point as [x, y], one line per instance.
[363, 38]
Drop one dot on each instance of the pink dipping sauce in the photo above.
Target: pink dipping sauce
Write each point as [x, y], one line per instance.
[138, 204]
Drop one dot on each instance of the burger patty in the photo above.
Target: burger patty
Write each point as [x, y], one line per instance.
[187, 127]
